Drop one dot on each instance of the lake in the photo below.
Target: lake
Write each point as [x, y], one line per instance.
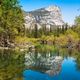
[40, 65]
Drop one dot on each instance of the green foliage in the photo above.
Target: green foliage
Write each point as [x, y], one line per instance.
[12, 65]
[12, 28]
[77, 20]
[77, 25]
[72, 33]
[11, 19]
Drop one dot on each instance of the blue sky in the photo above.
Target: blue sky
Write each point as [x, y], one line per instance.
[69, 8]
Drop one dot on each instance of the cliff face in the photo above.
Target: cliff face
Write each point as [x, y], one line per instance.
[49, 16]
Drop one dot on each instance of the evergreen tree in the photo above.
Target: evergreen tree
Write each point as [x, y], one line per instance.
[66, 27]
[63, 29]
[35, 31]
[58, 32]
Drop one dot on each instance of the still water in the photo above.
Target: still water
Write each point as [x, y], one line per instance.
[53, 66]
[39, 65]
[68, 72]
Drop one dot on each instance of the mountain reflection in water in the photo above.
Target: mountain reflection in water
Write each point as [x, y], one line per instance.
[61, 65]
[49, 65]
[67, 72]
[52, 67]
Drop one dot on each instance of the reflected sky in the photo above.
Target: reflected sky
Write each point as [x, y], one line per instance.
[68, 72]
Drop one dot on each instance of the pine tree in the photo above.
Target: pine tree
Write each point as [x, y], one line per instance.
[36, 31]
[63, 29]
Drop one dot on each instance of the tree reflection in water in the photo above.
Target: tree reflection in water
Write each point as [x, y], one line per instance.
[11, 65]
[78, 61]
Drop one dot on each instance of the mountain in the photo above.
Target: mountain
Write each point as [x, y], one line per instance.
[49, 16]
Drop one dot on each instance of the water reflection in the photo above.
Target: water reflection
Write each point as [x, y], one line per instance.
[68, 71]
[11, 65]
[78, 61]
[63, 65]
[48, 64]
[40, 64]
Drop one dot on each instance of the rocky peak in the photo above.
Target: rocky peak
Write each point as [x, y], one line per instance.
[48, 16]
[52, 8]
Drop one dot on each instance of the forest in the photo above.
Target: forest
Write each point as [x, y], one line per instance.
[46, 52]
[13, 33]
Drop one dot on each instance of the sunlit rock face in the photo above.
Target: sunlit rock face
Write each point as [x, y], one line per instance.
[50, 16]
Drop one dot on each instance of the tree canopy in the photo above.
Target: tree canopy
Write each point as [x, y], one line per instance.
[11, 19]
